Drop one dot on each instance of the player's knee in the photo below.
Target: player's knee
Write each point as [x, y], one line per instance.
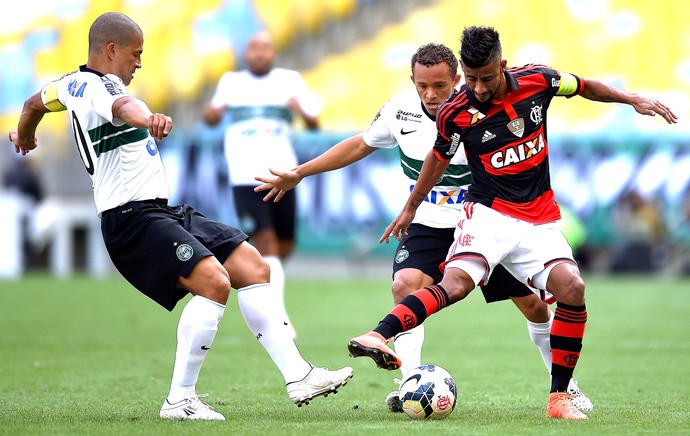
[401, 289]
[262, 270]
[210, 280]
[573, 291]
[534, 309]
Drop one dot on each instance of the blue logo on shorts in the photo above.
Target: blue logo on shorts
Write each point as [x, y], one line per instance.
[184, 252]
[151, 147]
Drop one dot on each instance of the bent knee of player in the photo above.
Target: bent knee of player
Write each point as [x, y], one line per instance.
[566, 284]
[208, 279]
[247, 267]
[534, 309]
[408, 280]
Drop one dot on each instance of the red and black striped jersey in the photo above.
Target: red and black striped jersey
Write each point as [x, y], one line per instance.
[505, 141]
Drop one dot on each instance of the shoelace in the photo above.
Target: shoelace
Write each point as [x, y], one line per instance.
[196, 400]
[565, 401]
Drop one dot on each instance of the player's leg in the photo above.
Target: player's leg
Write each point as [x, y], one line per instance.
[196, 330]
[561, 278]
[283, 222]
[466, 266]
[161, 258]
[539, 316]
[412, 311]
[408, 345]
[249, 274]
[257, 219]
[415, 265]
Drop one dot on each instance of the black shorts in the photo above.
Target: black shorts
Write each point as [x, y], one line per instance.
[152, 244]
[255, 214]
[425, 248]
[503, 285]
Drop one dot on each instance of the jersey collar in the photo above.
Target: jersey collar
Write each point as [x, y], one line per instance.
[85, 69]
[432, 117]
[511, 83]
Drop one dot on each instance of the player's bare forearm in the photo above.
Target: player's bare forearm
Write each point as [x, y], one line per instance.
[598, 91]
[342, 154]
[24, 138]
[432, 170]
[135, 113]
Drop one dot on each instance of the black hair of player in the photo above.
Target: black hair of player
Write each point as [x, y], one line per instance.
[434, 54]
[480, 46]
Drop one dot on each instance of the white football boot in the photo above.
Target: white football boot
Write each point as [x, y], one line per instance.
[190, 408]
[578, 399]
[317, 382]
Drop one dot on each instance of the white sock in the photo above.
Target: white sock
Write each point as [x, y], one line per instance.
[258, 309]
[195, 332]
[408, 347]
[540, 333]
[278, 284]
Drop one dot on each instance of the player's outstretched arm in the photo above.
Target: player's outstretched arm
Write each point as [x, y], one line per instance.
[135, 113]
[432, 170]
[24, 138]
[599, 91]
[342, 154]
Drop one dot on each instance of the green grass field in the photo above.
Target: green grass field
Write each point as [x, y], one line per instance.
[95, 357]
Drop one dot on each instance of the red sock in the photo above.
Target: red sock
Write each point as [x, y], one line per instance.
[567, 332]
[413, 310]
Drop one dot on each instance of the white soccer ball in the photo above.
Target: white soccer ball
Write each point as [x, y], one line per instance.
[428, 392]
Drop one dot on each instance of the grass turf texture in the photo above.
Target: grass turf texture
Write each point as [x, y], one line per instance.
[94, 357]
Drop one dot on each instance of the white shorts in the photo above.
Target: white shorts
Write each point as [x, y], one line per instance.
[485, 238]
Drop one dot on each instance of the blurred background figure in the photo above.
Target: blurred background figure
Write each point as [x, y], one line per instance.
[260, 102]
[642, 237]
[20, 191]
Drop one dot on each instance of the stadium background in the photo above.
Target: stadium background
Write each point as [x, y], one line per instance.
[354, 54]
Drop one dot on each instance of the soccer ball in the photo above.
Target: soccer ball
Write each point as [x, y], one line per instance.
[428, 392]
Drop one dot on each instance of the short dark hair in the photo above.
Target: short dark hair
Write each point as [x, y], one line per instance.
[479, 46]
[112, 27]
[434, 54]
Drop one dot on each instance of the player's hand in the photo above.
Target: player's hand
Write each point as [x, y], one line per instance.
[398, 228]
[18, 146]
[651, 107]
[159, 125]
[278, 185]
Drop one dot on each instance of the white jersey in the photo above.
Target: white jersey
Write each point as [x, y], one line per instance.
[259, 134]
[403, 122]
[123, 161]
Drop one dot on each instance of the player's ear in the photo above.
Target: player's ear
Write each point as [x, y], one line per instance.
[412, 77]
[456, 80]
[504, 64]
[110, 50]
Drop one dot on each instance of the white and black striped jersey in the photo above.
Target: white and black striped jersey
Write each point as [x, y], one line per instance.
[258, 135]
[123, 161]
[404, 122]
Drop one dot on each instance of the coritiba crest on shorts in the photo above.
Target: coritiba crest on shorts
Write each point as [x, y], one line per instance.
[184, 252]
